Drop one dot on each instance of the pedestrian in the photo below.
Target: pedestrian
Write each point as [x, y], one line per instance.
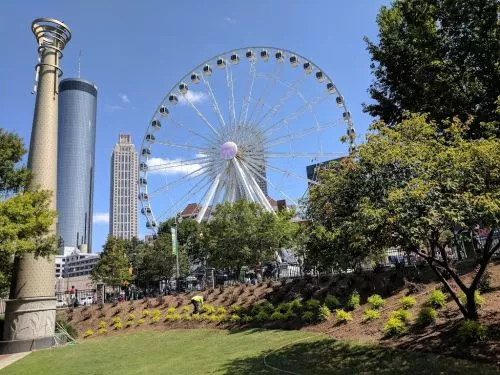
[197, 302]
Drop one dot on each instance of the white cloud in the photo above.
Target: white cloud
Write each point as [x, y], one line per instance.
[124, 98]
[230, 20]
[171, 166]
[101, 218]
[193, 96]
[113, 108]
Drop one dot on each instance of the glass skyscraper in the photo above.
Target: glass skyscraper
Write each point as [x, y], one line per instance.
[75, 162]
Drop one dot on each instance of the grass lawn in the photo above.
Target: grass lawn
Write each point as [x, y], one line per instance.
[203, 351]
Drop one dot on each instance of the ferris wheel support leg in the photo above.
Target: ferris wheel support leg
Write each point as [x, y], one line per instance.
[244, 181]
[208, 199]
[261, 198]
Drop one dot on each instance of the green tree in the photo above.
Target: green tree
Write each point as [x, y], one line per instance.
[25, 218]
[409, 189]
[440, 57]
[113, 267]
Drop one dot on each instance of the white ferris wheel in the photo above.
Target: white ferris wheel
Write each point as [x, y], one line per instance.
[244, 124]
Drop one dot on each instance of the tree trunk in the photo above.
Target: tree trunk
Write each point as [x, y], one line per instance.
[471, 305]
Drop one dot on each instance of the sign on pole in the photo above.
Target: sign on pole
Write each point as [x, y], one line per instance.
[174, 240]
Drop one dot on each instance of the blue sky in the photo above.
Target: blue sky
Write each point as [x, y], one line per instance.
[135, 51]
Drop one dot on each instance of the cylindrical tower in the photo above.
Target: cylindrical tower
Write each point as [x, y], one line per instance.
[30, 313]
[75, 162]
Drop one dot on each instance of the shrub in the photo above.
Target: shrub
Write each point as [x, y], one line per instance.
[401, 314]
[196, 317]
[376, 301]
[221, 310]
[187, 317]
[235, 318]
[289, 315]
[171, 310]
[353, 301]
[426, 316]
[307, 316]
[370, 315]
[129, 323]
[343, 316]
[394, 326]
[332, 302]
[295, 305]
[477, 298]
[324, 313]
[131, 317]
[146, 313]
[213, 318]
[140, 321]
[248, 318]
[156, 314]
[235, 309]
[262, 316]
[117, 325]
[408, 302]
[155, 319]
[117, 320]
[185, 309]
[65, 325]
[277, 315]
[89, 332]
[175, 317]
[312, 304]
[102, 331]
[437, 299]
[102, 324]
[207, 309]
[204, 316]
[472, 331]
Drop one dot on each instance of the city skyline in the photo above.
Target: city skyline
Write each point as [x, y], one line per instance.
[131, 85]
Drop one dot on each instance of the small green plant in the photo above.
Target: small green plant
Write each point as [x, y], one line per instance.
[426, 316]
[117, 320]
[478, 298]
[332, 302]
[290, 314]
[196, 317]
[370, 315]
[171, 310]
[102, 331]
[277, 316]
[221, 310]
[185, 309]
[117, 325]
[401, 314]
[102, 324]
[155, 319]
[187, 317]
[437, 299]
[376, 301]
[353, 301]
[176, 317]
[324, 313]
[207, 309]
[307, 316]
[235, 309]
[156, 313]
[146, 313]
[472, 331]
[343, 316]
[131, 317]
[312, 304]
[129, 323]
[394, 327]
[89, 332]
[248, 319]
[234, 318]
[204, 316]
[408, 302]
[262, 316]
[295, 305]
[140, 321]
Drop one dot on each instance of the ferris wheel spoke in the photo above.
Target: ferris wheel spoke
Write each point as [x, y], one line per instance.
[215, 105]
[199, 114]
[254, 169]
[244, 181]
[293, 136]
[191, 193]
[196, 173]
[288, 173]
[261, 198]
[185, 147]
[209, 195]
[305, 155]
[230, 86]
[178, 163]
[178, 123]
[292, 88]
[247, 98]
[261, 101]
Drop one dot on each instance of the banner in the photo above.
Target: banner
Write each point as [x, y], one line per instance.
[174, 240]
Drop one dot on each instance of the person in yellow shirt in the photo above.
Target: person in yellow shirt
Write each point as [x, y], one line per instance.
[197, 302]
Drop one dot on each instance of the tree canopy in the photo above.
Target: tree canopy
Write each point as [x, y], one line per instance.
[410, 189]
[113, 267]
[440, 57]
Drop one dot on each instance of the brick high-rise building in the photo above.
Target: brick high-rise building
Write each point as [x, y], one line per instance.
[123, 196]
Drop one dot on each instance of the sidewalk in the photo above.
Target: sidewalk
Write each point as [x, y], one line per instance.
[8, 359]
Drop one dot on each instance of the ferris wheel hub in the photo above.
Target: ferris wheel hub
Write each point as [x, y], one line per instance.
[228, 150]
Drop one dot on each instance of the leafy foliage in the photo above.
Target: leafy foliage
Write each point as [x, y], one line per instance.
[437, 299]
[332, 302]
[438, 57]
[113, 265]
[343, 316]
[426, 316]
[89, 332]
[472, 331]
[394, 327]
[478, 298]
[323, 313]
[376, 301]
[407, 302]
[371, 314]
[353, 301]
[401, 314]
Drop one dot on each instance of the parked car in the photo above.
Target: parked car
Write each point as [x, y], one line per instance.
[61, 303]
[85, 300]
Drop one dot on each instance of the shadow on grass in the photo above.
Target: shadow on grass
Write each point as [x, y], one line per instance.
[335, 357]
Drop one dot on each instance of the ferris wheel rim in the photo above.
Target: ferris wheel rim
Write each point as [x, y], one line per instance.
[198, 68]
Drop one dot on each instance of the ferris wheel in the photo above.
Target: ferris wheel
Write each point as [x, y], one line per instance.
[245, 124]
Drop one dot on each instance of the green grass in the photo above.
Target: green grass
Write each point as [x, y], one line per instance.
[201, 351]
